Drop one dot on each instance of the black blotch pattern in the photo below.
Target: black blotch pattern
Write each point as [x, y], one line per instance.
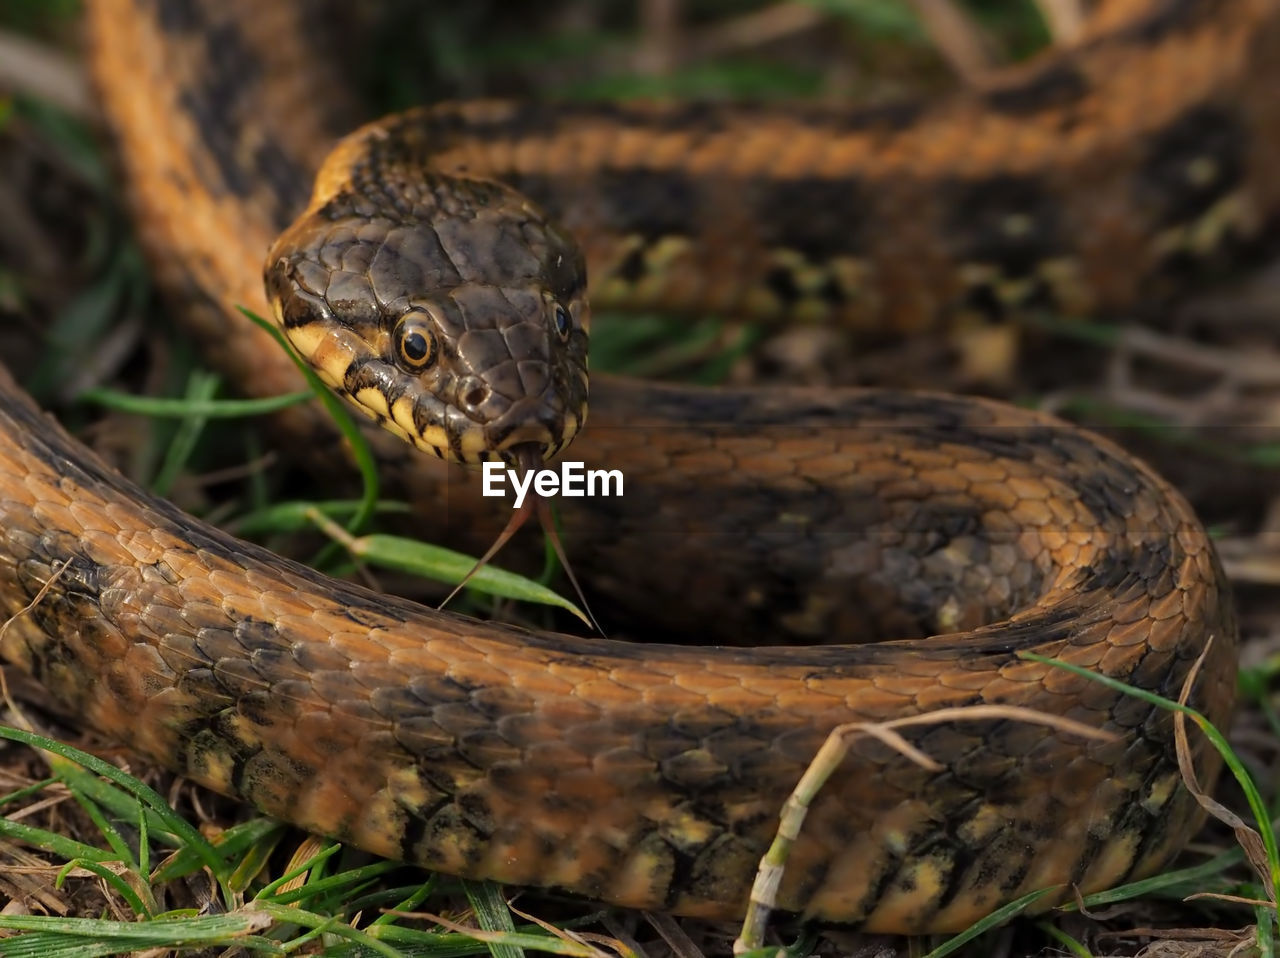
[700, 115]
[782, 283]
[1045, 628]
[887, 869]
[942, 523]
[1059, 85]
[254, 777]
[632, 269]
[1168, 19]
[229, 73]
[1103, 495]
[416, 822]
[289, 182]
[76, 598]
[210, 740]
[651, 203]
[818, 217]
[177, 16]
[979, 216]
[368, 372]
[1106, 574]
[983, 300]
[1165, 184]
[831, 293]
[547, 190]
[888, 117]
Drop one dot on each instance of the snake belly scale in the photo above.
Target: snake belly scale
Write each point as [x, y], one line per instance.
[651, 774]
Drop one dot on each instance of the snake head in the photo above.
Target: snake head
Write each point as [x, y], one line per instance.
[448, 309]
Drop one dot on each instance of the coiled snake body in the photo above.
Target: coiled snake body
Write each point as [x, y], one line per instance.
[652, 775]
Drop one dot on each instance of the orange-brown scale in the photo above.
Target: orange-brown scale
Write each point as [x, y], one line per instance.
[652, 776]
[1087, 128]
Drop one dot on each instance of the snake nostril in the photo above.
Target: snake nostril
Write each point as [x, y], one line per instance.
[475, 395]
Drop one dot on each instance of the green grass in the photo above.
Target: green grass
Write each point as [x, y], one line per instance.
[140, 847]
[359, 908]
[145, 845]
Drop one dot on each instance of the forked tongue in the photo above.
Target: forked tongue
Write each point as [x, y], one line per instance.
[528, 457]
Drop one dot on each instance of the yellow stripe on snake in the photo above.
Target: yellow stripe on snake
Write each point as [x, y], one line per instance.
[925, 540]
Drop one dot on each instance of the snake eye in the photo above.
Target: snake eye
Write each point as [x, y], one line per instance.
[416, 345]
[564, 324]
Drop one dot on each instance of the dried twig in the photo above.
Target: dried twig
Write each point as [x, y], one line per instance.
[957, 37]
[42, 72]
[769, 875]
[1065, 19]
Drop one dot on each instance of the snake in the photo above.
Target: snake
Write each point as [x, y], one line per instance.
[843, 556]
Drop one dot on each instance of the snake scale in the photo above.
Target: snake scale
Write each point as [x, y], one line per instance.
[651, 775]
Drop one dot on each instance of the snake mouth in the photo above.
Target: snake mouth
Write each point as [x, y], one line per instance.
[535, 423]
